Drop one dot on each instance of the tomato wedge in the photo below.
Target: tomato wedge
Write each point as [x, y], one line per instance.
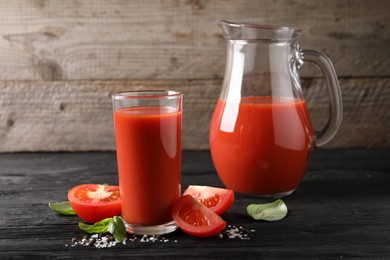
[196, 219]
[217, 199]
[94, 202]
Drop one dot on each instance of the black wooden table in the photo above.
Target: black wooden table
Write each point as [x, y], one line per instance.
[341, 209]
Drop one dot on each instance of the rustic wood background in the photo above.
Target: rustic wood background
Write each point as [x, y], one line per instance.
[61, 60]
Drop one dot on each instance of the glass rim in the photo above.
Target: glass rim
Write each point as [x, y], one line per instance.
[259, 26]
[145, 94]
[252, 31]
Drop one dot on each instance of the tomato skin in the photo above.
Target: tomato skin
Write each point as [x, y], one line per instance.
[219, 200]
[94, 202]
[196, 219]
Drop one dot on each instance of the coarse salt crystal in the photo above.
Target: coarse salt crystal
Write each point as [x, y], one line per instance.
[240, 232]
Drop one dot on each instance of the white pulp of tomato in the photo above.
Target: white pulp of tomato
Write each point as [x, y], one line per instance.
[99, 194]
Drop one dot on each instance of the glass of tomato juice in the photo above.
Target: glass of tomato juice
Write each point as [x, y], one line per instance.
[148, 130]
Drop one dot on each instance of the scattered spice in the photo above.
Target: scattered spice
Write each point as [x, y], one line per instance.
[238, 232]
[108, 240]
[154, 238]
[95, 240]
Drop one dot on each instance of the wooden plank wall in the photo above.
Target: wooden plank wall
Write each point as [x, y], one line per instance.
[61, 60]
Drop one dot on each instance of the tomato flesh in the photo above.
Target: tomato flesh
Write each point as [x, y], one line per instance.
[196, 219]
[219, 200]
[94, 202]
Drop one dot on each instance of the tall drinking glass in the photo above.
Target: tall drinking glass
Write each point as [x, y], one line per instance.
[148, 130]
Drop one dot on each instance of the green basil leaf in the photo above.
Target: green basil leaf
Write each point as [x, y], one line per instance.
[270, 211]
[63, 208]
[117, 228]
[99, 227]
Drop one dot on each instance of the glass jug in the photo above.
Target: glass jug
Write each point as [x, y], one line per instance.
[261, 136]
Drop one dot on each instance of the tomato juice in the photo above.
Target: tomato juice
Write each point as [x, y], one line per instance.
[148, 143]
[261, 145]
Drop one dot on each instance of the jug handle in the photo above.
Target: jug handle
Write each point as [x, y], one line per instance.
[336, 108]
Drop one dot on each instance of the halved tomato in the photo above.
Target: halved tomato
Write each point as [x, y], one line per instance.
[196, 219]
[217, 199]
[94, 202]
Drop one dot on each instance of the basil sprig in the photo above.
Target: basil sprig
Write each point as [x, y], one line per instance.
[115, 226]
[269, 211]
[98, 227]
[62, 208]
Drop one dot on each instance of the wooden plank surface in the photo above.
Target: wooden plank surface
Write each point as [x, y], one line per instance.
[109, 39]
[340, 210]
[77, 115]
[60, 60]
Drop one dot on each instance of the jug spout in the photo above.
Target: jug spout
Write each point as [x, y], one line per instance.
[248, 31]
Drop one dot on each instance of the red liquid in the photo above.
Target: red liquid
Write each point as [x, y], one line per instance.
[149, 162]
[262, 144]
